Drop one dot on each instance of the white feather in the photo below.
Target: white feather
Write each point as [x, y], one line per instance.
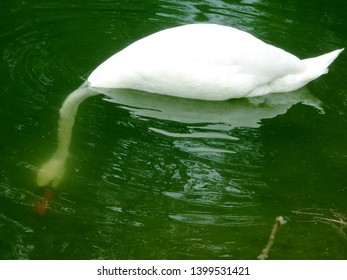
[207, 61]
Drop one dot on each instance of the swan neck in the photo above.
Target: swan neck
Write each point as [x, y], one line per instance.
[67, 118]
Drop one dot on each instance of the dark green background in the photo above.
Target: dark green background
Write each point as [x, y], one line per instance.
[142, 187]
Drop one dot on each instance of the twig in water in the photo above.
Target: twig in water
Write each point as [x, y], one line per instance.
[333, 218]
[265, 252]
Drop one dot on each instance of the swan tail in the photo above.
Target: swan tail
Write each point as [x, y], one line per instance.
[318, 66]
[313, 68]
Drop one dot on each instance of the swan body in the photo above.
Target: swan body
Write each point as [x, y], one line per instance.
[197, 61]
[209, 62]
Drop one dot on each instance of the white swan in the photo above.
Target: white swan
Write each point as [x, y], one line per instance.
[207, 61]
[198, 61]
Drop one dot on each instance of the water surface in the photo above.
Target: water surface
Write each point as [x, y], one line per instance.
[158, 177]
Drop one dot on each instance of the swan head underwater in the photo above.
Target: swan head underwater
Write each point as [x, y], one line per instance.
[196, 61]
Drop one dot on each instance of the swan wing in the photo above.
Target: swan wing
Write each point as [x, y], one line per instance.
[204, 61]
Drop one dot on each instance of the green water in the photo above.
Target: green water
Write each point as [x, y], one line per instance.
[181, 180]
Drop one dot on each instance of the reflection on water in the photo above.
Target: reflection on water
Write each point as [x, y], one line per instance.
[159, 177]
[245, 112]
[205, 139]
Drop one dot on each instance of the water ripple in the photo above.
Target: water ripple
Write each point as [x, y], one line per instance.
[200, 218]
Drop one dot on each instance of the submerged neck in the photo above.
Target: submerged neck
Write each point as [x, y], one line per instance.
[67, 118]
[53, 170]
